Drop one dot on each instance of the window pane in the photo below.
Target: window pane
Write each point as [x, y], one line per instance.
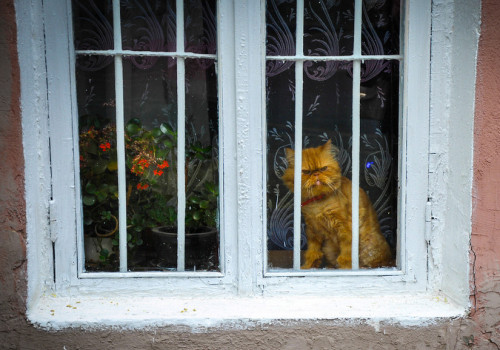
[202, 180]
[280, 99]
[151, 140]
[200, 24]
[327, 131]
[280, 27]
[148, 26]
[98, 162]
[381, 27]
[328, 27]
[379, 143]
[150, 112]
[93, 25]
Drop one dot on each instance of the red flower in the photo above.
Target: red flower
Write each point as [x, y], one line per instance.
[142, 186]
[158, 172]
[105, 146]
[143, 162]
[163, 165]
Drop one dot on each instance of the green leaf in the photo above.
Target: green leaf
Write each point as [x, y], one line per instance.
[156, 132]
[194, 199]
[197, 215]
[90, 188]
[162, 153]
[166, 129]
[101, 196]
[167, 143]
[88, 200]
[88, 221]
[135, 121]
[133, 129]
[204, 204]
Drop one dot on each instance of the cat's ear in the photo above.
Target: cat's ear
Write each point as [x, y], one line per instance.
[290, 155]
[330, 148]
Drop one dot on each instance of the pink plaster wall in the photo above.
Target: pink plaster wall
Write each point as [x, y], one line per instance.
[486, 189]
[481, 330]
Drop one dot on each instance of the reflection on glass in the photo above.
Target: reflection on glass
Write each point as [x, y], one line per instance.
[280, 33]
[380, 29]
[200, 24]
[93, 24]
[148, 25]
[328, 27]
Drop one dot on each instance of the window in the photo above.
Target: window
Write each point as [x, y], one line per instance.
[333, 75]
[137, 118]
[148, 131]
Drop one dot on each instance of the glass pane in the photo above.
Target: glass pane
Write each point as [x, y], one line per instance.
[150, 112]
[202, 179]
[150, 138]
[328, 27]
[381, 27]
[200, 26]
[98, 175]
[280, 106]
[326, 120]
[280, 27]
[148, 26]
[326, 199]
[93, 24]
[379, 157]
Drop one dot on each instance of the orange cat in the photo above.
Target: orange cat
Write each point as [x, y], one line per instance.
[326, 207]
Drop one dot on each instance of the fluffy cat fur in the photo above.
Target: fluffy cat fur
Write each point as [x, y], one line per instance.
[326, 207]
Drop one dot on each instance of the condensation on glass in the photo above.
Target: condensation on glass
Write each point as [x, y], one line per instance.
[312, 48]
[162, 103]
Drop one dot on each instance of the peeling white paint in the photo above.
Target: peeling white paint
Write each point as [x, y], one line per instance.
[56, 313]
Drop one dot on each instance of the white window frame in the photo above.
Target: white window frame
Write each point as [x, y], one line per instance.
[430, 268]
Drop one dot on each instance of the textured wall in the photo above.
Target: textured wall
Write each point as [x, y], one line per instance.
[12, 222]
[481, 330]
[486, 191]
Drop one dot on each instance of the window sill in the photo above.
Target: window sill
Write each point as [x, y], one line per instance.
[54, 312]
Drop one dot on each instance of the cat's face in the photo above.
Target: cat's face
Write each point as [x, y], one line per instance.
[320, 171]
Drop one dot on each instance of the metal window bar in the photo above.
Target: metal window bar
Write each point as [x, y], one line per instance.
[120, 141]
[356, 81]
[181, 137]
[299, 79]
[180, 56]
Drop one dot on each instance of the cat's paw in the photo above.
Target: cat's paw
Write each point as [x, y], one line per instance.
[344, 262]
[311, 265]
[313, 259]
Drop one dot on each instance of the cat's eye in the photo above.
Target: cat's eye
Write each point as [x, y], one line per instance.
[306, 172]
[323, 168]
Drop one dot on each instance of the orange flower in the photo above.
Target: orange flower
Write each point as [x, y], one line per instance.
[163, 165]
[142, 186]
[105, 146]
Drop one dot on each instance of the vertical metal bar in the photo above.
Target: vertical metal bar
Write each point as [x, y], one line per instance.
[298, 135]
[120, 138]
[356, 80]
[181, 138]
